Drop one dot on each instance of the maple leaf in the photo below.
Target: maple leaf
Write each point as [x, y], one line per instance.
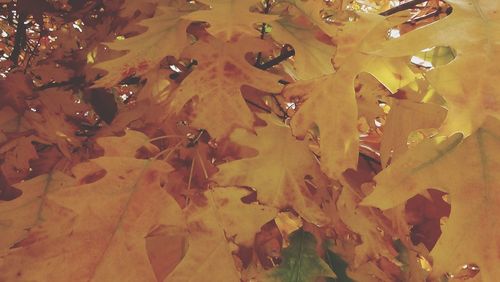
[146, 50]
[96, 231]
[224, 216]
[301, 262]
[230, 17]
[216, 81]
[471, 95]
[465, 170]
[277, 174]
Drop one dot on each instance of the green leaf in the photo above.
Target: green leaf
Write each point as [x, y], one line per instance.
[336, 263]
[301, 262]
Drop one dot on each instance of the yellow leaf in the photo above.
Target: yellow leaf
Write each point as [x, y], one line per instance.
[125, 146]
[312, 57]
[230, 17]
[468, 83]
[165, 35]
[467, 171]
[362, 221]
[404, 117]
[330, 101]
[216, 81]
[223, 217]
[277, 172]
[17, 217]
[96, 231]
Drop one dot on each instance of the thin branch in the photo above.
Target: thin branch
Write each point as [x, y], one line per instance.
[286, 52]
[194, 141]
[285, 115]
[267, 8]
[258, 106]
[74, 80]
[33, 53]
[402, 7]
[369, 158]
[19, 39]
[430, 15]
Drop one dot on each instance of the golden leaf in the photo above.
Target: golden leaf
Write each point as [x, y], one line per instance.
[466, 170]
[277, 173]
[216, 81]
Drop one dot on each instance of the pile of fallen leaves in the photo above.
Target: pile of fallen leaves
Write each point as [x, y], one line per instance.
[247, 140]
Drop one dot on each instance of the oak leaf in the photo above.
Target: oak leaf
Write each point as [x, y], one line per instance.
[230, 17]
[312, 57]
[216, 81]
[17, 155]
[278, 172]
[223, 217]
[362, 221]
[464, 169]
[323, 96]
[403, 118]
[96, 231]
[165, 35]
[18, 216]
[470, 95]
[312, 10]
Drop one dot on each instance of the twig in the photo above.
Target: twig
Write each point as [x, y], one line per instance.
[74, 80]
[19, 39]
[286, 52]
[369, 159]
[258, 106]
[285, 115]
[267, 8]
[194, 141]
[402, 7]
[32, 53]
[429, 15]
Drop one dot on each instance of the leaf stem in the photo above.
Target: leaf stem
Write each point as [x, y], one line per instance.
[258, 106]
[402, 7]
[286, 52]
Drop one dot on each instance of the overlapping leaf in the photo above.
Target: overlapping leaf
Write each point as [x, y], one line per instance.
[165, 35]
[330, 101]
[301, 262]
[230, 17]
[405, 117]
[223, 217]
[466, 170]
[472, 31]
[216, 82]
[277, 173]
[19, 216]
[313, 57]
[101, 225]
